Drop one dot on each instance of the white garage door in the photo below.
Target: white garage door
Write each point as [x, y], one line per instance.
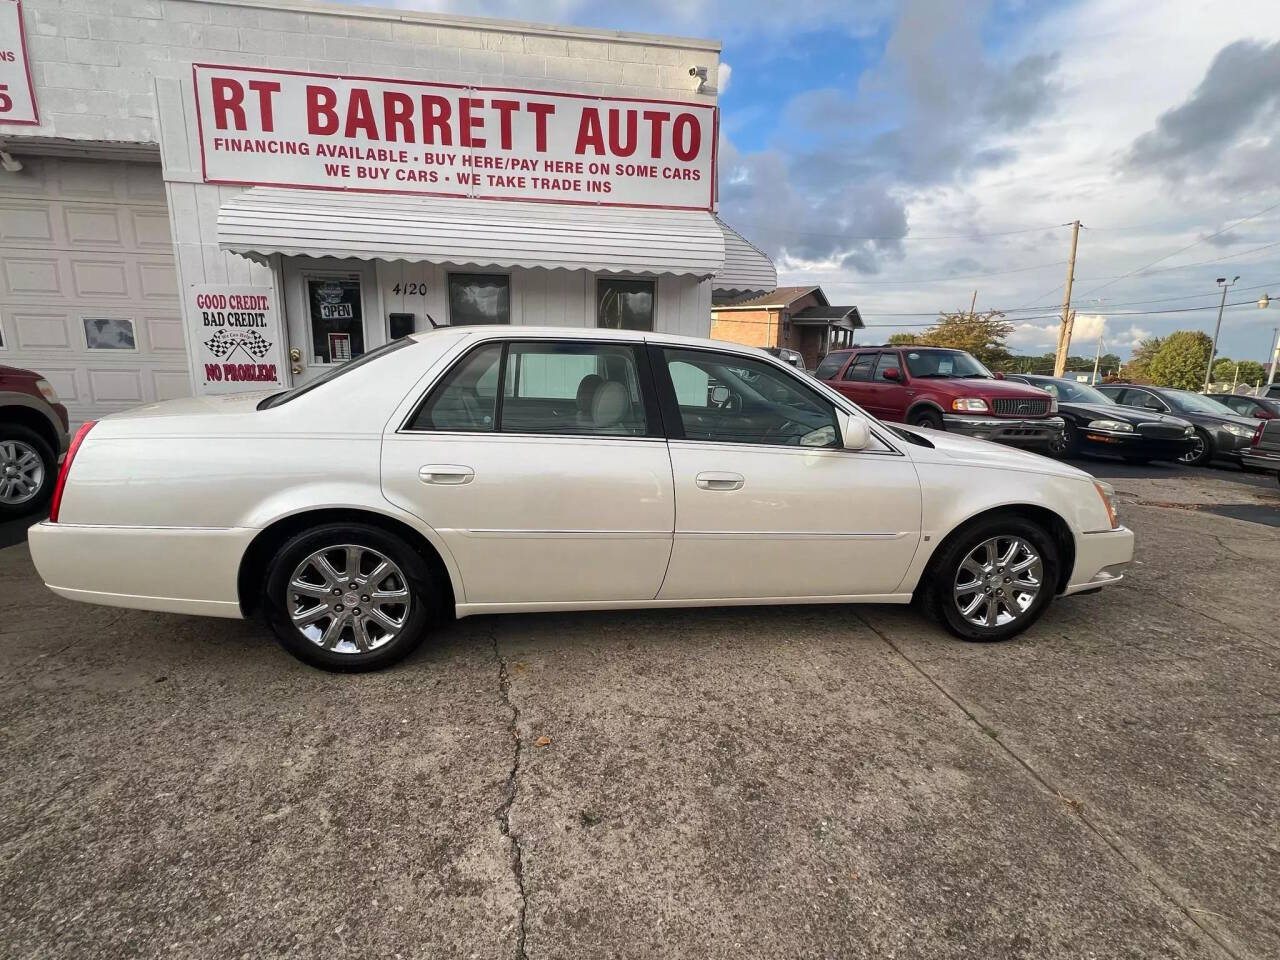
[88, 291]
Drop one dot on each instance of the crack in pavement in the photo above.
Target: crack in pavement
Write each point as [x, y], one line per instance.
[510, 790]
[1076, 806]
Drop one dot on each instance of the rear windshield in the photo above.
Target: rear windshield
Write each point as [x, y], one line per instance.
[276, 399]
[830, 365]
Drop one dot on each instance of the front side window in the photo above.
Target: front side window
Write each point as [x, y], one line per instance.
[887, 361]
[861, 367]
[624, 304]
[573, 388]
[730, 399]
[467, 398]
[479, 298]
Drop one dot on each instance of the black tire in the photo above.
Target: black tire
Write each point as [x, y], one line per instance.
[927, 418]
[423, 602]
[1065, 444]
[944, 569]
[16, 432]
[1201, 456]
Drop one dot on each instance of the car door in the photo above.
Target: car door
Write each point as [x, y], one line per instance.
[542, 465]
[1144, 400]
[888, 395]
[855, 382]
[768, 503]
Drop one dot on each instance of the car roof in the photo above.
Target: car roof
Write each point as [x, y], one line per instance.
[519, 332]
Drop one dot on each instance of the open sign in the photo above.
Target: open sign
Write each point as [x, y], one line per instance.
[336, 311]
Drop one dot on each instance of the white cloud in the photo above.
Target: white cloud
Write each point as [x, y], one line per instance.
[723, 73]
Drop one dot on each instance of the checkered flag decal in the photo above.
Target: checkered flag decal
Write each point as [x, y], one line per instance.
[224, 342]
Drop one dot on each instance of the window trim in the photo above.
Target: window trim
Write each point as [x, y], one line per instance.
[448, 298]
[849, 355]
[595, 300]
[671, 406]
[644, 378]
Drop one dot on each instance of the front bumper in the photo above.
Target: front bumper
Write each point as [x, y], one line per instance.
[1032, 433]
[1129, 444]
[1100, 559]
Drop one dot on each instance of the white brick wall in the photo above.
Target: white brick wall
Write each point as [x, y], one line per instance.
[95, 62]
[120, 70]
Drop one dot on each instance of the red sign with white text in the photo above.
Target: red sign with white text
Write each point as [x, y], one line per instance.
[281, 128]
[17, 96]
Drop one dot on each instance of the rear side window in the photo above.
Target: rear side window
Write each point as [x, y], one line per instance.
[861, 367]
[830, 366]
[467, 400]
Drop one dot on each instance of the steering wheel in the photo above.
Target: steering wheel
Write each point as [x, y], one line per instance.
[780, 431]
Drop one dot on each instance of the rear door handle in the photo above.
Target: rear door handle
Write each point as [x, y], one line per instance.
[714, 480]
[446, 474]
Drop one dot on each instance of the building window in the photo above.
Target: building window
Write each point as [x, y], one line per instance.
[476, 298]
[109, 333]
[624, 304]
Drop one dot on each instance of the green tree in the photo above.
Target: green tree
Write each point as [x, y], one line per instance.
[903, 338]
[1138, 369]
[982, 335]
[1224, 371]
[1181, 360]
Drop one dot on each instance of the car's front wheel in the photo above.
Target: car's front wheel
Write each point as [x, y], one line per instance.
[28, 470]
[1200, 452]
[994, 580]
[1066, 442]
[349, 597]
[927, 418]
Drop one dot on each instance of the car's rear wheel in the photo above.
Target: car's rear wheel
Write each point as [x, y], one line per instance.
[930, 419]
[349, 597]
[994, 580]
[28, 470]
[1201, 451]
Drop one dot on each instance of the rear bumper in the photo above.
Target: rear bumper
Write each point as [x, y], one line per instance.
[1261, 459]
[1100, 559]
[170, 569]
[1032, 433]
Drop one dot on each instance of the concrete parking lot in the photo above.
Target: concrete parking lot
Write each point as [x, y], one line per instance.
[780, 782]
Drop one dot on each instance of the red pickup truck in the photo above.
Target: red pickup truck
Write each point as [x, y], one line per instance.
[941, 389]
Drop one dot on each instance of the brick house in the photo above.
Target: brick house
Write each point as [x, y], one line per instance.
[796, 318]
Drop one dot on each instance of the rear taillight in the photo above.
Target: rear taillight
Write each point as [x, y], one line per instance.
[1257, 433]
[66, 469]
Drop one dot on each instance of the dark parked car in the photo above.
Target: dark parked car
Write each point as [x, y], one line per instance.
[1264, 451]
[1096, 424]
[33, 434]
[1220, 434]
[1260, 408]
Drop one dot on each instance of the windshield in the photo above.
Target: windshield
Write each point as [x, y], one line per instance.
[943, 363]
[1184, 401]
[1072, 392]
[333, 374]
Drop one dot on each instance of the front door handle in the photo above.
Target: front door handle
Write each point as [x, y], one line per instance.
[714, 480]
[446, 474]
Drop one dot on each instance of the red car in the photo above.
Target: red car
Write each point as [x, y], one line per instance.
[941, 389]
[33, 435]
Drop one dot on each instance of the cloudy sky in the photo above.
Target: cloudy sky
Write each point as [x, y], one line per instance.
[904, 154]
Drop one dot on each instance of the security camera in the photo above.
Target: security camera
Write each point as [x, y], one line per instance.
[10, 162]
[700, 72]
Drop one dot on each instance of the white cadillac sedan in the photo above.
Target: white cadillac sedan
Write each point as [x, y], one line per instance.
[499, 469]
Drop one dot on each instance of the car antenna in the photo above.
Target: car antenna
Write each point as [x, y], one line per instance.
[431, 320]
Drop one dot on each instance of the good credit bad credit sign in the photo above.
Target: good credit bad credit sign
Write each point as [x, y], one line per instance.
[354, 133]
[235, 337]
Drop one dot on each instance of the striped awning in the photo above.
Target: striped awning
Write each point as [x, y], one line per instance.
[472, 233]
[747, 268]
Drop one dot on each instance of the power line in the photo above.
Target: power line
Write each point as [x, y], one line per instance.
[1183, 249]
[972, 276]
[950, 236]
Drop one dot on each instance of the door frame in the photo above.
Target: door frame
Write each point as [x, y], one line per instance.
[296, 271]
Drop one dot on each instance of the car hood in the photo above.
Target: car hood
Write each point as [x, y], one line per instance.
[982, 386]
[1114, 411]
[950, 447]
[1216, 419]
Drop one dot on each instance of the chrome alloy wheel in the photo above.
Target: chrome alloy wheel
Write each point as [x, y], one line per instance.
[1196, 451]
[1058, 443]
[21, 472]
[348, 599]
[998, 581]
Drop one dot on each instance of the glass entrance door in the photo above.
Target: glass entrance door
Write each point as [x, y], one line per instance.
[327, 303]
[336, 313]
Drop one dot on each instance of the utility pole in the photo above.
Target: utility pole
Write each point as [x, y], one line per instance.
[973, 303]
[1213, 350]
[1235, 376]
[1275, 358]
[1097, 358]
[1068, 317]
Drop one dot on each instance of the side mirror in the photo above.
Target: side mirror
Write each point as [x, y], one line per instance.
[998, 375]
[854, 432]
[719, 394]
[892, 373]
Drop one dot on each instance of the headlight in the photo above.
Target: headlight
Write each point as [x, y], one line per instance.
[1115, 426]
[970, 405]
[1188, 430]
[1053, 405]
[1108, 494]
[1236, 430]
[46, 390]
